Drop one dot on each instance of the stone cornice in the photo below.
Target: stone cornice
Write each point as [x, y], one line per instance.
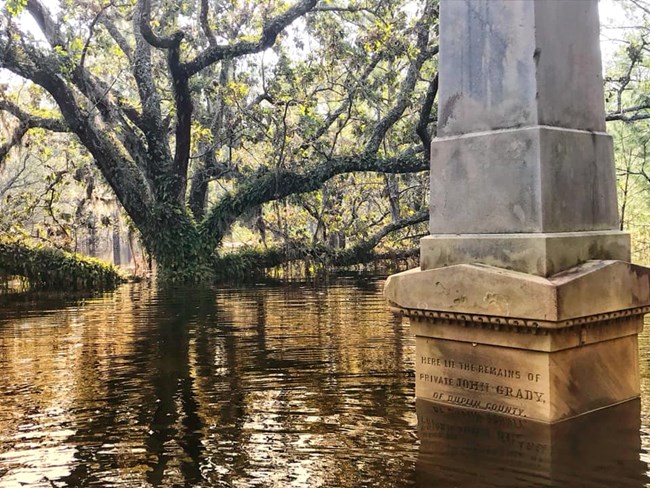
[517, 325]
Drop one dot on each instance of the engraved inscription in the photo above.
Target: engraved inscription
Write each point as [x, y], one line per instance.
[520, 393]
[488, 378]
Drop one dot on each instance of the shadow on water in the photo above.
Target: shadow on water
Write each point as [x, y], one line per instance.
[298, 385]
[35, 303]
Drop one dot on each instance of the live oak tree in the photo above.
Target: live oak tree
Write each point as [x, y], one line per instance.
[310, 121]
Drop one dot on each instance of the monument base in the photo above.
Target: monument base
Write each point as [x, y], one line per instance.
[545, 349]
[588, 367]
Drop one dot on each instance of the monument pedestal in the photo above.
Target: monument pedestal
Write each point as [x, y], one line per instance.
[546, 349]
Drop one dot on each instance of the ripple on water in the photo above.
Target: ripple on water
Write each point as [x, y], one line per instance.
[293, 385]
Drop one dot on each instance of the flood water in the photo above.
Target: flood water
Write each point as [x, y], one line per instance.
[292, 385]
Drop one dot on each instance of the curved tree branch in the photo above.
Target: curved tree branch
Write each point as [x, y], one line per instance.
[344, 107]
[363, 252]
[117, 36]
[17, 136]
[121, 174]
[279, 184]
[176, 185]
[168, 42]
[205, 24]
[627, 118]
[46, 24]
[269, 34]
[422, 129]
[31, 121]
[91, 32]
[26, 122]
[98, 92]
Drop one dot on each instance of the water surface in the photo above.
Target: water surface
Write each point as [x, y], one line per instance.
[287, 385]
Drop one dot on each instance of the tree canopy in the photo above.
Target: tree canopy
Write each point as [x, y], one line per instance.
[627, 89]
[309, 121]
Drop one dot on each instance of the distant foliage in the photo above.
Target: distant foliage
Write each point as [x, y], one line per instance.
[627, 89]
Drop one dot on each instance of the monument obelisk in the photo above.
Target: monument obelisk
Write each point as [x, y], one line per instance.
[525, 302]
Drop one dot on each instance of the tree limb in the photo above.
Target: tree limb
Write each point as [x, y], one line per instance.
[354, 255]
[422, 129]
[627, 118]
[117, 36]
[153, 127]
[269, 34]
[91, 31]
[17, 135]
[404, 97]
[205, 24]
[177, 185]
[121, 174]
[26, 122]
[361, 253]
[279, 184]
[31, 121]
[46, 24]
[168, 42]
[97, 92]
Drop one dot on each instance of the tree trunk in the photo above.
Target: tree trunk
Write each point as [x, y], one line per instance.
[181, 252]
[117, 248]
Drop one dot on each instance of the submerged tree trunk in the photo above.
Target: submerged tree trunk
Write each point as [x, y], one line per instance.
[181, 252]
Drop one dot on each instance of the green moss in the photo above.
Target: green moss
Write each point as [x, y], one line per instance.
[45, 267]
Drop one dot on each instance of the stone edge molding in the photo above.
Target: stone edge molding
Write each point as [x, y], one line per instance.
[516, 325]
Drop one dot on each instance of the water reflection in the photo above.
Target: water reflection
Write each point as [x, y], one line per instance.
[476, 449]
[293, 385]
[286, 386]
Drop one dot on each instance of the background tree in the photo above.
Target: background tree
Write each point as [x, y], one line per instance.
[310, 124]
[627, 94]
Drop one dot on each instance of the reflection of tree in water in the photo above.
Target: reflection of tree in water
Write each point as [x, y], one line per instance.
[275, 386]
[176, 417]
[297, 385]
[310, 408]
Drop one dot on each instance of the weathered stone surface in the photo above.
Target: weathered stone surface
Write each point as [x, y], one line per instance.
[517, 63]
[539, 179]
[568, 60]
[595, 287]
[594, 376]
[600, 287]
[542, 386]
[535, 253]
[483, 377]
[474, 289]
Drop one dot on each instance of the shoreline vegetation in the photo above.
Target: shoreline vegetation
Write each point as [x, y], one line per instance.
[42, 267]
[38, 266]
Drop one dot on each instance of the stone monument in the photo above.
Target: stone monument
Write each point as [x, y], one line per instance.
[525, 302]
